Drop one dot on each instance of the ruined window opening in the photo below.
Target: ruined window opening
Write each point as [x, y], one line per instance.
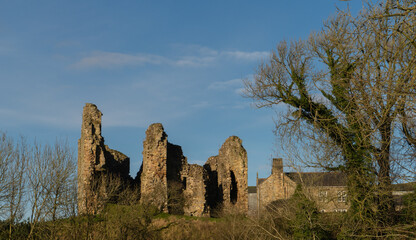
[233, 189]
[184, 183]
[93, 129]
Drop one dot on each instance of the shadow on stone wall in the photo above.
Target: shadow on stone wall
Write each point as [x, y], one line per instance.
[165, 178]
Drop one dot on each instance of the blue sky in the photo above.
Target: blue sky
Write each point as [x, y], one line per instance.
[175, 62]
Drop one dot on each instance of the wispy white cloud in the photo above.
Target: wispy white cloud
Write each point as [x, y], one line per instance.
[247, 56]
[114, 59]
[225, 85]
[195, 56]
[190, 61]
[192, 49]
[235, 85]
[240, 91]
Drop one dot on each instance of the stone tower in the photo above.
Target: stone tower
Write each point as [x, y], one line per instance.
[95, 158]
[227, 173]
[154, 181]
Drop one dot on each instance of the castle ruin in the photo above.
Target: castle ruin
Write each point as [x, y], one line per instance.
[165, 179]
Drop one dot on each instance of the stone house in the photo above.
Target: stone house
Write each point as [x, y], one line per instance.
[327, 189]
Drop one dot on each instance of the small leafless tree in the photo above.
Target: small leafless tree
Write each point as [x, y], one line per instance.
[13, 164]
[62, 178]
[6, 159]
[51, 174]
[16, 184]
[104, 188]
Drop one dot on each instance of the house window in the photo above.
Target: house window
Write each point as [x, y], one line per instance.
[323, 196]
[342, 196]
[340, 210]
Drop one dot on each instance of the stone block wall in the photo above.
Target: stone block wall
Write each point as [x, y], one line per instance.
[154, 183]
[276, 186]
[165, 177]
[227, 174]
[193, 178]
[94, 157]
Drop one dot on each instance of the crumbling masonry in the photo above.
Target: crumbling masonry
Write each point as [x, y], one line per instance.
[165, 178]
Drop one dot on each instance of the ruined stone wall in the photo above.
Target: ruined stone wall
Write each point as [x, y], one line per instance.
[227, 176]
[168, 181]
[165, 178]
[154, 183]
[193, 179]
[95, 157]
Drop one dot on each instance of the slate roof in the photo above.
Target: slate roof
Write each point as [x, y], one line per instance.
[404, 186]
[328, 179]
[318, 178]
[252, 189]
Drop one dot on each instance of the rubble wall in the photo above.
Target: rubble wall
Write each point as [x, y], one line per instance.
[154, 183]
[95, 157]
[165, 177]
[193, 179]
[227, 172]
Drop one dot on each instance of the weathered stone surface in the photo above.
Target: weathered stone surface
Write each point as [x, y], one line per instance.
[276, 186]
[176, 187]
[323, 187]
[94, 157]
[176, 161]
[193, 179]
[117, 162]
[165, 177]
[227, 176]
[163, 163]
[154, 183]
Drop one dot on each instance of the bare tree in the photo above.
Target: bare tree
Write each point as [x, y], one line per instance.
[347, 89]
[62, 178]
[104, 188]
[13, 163]
[51, 174]
[6, 158]
[16, 184]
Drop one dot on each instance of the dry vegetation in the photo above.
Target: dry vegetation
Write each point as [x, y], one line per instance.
[43, 206]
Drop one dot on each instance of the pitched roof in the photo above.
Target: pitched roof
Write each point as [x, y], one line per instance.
[404, 186]
[318, 178]
[252, 189]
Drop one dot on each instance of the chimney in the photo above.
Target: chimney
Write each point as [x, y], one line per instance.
[277, 166]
